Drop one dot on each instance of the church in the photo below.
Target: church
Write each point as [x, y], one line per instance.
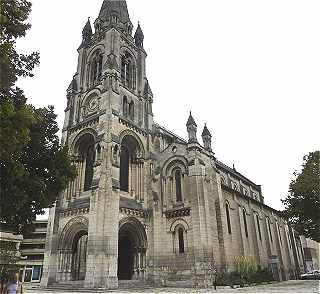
[147, 204]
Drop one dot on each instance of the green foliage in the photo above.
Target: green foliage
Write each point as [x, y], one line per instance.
[245, 265]
[302, 205]
[8, 258]
[34, 168]
[247, 271]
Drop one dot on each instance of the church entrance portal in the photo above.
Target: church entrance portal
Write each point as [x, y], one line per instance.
[131, 250]
[126, 258]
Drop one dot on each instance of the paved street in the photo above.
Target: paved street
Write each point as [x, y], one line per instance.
[283, 287]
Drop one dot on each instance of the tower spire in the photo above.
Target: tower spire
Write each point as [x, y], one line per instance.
[114, 8]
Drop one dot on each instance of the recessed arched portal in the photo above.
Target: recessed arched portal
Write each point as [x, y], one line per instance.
[73, 250]
[79, 256]
[132, 248]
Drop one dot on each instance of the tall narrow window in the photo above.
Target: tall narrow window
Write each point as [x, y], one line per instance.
[177, 177]
[124, 169]
[128, 79]
[279, 232]
[269, 227]
[123, 69]
[127, 71]
[125, 106]
[245, 222]
[258, 225]
[89, 168]
[94, 66]
[99, 66]
[228, 218]
[131, 110]
[181, 240]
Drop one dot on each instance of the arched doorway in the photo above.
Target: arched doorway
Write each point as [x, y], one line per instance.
[79, 256]
[132, 247]
[126, 257]
[73, 250]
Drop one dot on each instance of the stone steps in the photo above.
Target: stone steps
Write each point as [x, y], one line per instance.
[131, 283]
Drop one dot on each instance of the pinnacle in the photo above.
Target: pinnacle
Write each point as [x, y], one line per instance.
[191, 121]
[205, 131]
[139, 33]
[87, 30]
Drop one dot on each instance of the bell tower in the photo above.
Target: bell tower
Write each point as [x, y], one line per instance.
[108, 120]
[112, 60]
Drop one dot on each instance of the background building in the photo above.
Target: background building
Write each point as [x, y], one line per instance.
[32, 252]
[311, 254]
[29, 251]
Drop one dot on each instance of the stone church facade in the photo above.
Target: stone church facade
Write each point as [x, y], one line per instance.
[146, 203]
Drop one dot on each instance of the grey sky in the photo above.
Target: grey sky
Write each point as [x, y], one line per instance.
[249, 69]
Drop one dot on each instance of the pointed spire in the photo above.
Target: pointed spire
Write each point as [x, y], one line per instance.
[114, 8]
[86, 33]
[138, 36]
[87, 30]
[206, 138]
[192, 129]
[191, 121]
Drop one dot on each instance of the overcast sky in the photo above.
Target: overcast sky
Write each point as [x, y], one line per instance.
[249, 69]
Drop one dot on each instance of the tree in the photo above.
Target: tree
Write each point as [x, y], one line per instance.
[302, 205]
[9, 255]
[34, 167]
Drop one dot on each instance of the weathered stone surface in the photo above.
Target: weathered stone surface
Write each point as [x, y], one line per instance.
[146, 204]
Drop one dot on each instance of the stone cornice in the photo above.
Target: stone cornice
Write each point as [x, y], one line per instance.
[84, 124]
[72, 212]
[134, 212]
[132, 126]
[184, 211]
